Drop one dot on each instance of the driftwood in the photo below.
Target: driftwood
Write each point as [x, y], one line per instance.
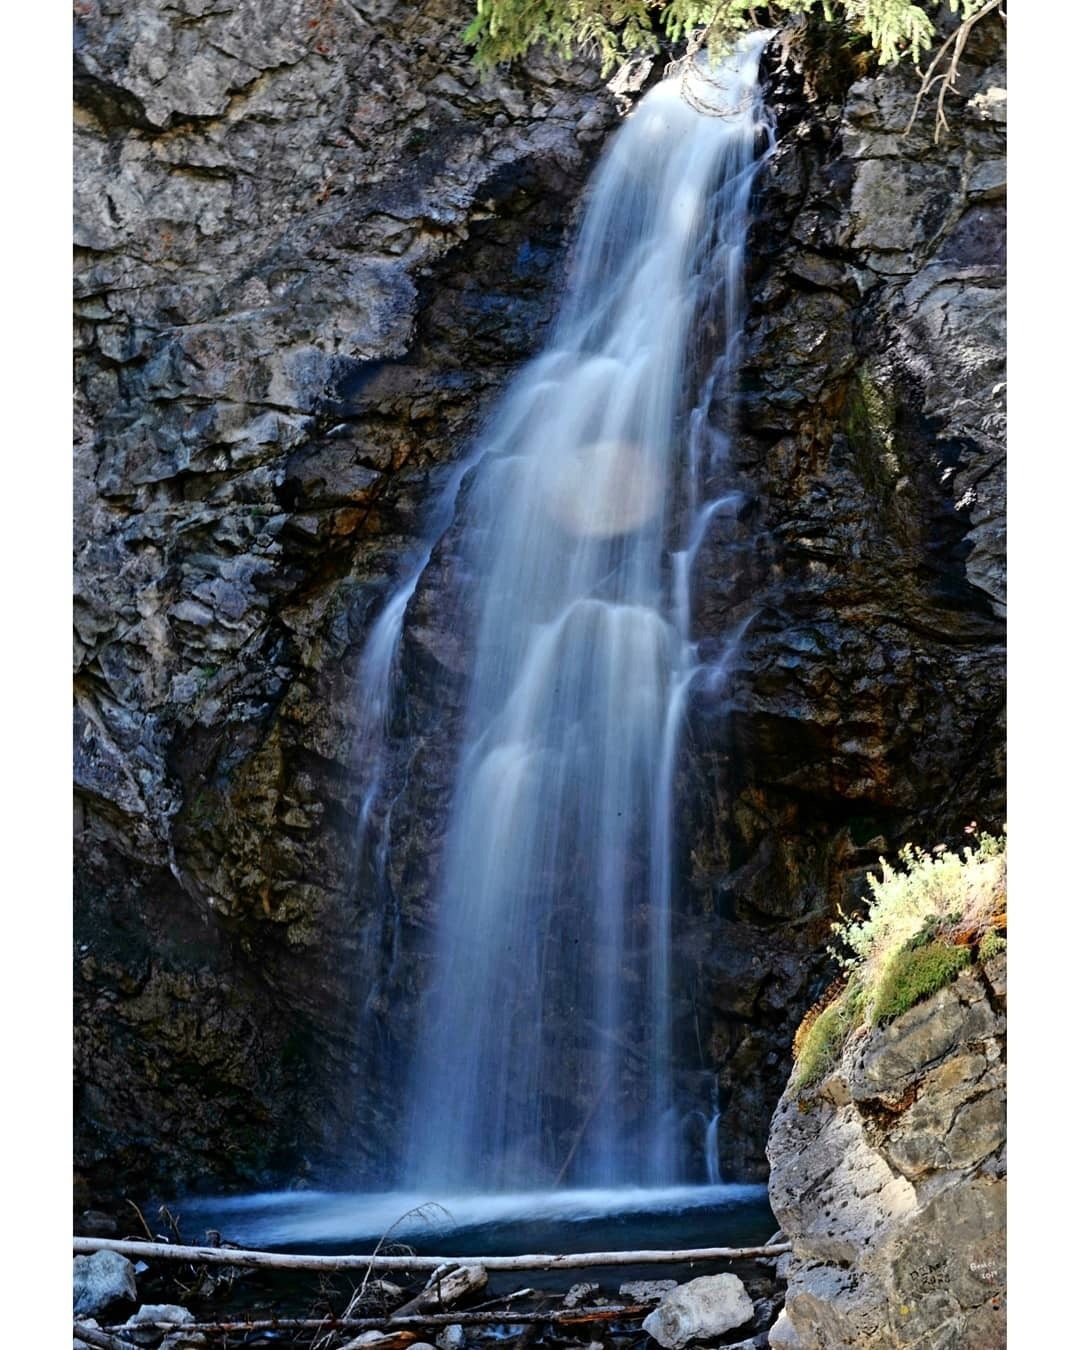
[104, 1340]
[562, 1316]
[229, 1256]
[444, 1289]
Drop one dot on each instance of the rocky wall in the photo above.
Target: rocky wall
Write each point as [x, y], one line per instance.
[889, 1179]
[311, 243]
[864, 568]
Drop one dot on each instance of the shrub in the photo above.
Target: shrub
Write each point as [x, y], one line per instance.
[926, 896]
[615, 29]
[991, 945]
[915, 973]
[912, 940]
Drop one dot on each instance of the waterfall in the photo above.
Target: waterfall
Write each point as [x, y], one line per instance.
[544, 1050]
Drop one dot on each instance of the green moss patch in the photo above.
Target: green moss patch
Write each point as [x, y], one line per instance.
[825, 1040]
[915, 974]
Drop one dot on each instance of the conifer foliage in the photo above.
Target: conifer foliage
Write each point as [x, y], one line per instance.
[616, 29]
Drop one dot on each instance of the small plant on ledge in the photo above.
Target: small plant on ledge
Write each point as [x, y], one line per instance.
[928, 918]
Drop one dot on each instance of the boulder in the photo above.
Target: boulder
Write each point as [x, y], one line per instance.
[101, 1280]
[700, 1310]
[145, 1323]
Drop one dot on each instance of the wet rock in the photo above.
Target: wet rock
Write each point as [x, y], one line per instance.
[101, 1281]
[699, 1311]
[95, 1223]
[453, 1338]
[864, 571]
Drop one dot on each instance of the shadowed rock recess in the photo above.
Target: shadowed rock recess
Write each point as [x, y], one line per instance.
[312, 245]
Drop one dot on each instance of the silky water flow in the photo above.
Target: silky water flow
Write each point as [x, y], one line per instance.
[544, 1046]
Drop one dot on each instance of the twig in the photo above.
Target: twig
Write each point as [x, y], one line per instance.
[145, 1225]
[947, 79]
[216, 1256]
[562, 1316]
[601, 1093]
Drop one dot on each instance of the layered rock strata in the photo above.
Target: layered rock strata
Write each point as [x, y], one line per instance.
[889, 1179]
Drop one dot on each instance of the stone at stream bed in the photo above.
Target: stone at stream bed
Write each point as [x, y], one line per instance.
[453, 1338]
[143, 1324]
[578, 1294]
[646, 1291]
[101, 1280]
[700, 1310]
[95, 1223]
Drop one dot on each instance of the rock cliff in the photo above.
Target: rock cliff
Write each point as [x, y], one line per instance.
[889, 1179]
[312, 245]
[865, 566]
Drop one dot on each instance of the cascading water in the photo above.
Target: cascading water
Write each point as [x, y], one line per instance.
[544, 1051]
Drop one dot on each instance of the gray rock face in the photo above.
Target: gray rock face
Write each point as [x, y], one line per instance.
[866, 560]
[101, 1280]
[699, 1311]
[890, 1181]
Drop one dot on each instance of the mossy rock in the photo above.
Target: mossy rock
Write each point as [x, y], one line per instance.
[824, 1040]
[915, 974]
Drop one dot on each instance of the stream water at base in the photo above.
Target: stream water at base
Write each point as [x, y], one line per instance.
[622, 1219]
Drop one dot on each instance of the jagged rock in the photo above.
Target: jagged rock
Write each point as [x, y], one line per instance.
[310, 247]
[699, 1311]
[864, 704]
[100, 1281]
[889, 1181]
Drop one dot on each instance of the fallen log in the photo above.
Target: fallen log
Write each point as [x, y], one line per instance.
[229, 1256]
[563, 1316]
[104, 1340]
